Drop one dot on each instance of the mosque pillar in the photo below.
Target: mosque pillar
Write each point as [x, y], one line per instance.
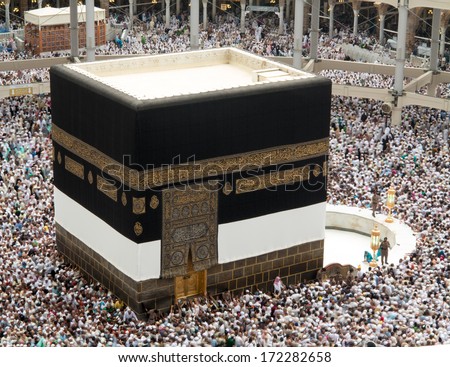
[314, 29]
[90, 31]
[381, 35]
[443, 31]
[288, 10]
[401, 45]
[356, 5]
[74, 52]
[178, 7]
[413, 23]
[382, 10]
[213, 12]
[205, 13]
[298, 33]
[432, 88]
[131, 8]
[167, 13]
[242, 16]
[7, 15]
[434, 52]
[355, 21]
[195, 10]
[396, 116]
[306, 17]
[331, 20]
[281, 16]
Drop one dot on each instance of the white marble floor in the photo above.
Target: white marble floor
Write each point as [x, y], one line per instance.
[346, 247]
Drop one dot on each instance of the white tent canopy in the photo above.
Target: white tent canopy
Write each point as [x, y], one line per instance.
[49, 16]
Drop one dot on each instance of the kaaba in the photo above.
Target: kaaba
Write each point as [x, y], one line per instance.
[184, 174]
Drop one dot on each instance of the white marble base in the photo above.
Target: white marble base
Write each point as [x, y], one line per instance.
[345, 242]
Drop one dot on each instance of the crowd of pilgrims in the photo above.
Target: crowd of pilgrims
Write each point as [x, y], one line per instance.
[152, 36]
[46, 302]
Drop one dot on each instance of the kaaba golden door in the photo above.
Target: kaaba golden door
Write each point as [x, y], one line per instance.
[189, 237]
[190, 285]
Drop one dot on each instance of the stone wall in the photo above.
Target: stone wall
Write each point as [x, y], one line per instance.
[295, 264]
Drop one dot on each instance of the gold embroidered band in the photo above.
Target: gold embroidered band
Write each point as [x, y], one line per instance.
[146, 179]
[74, 167]
[107, 188]
[273, 179]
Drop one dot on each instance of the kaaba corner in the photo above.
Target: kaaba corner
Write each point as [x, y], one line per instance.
[181, 174]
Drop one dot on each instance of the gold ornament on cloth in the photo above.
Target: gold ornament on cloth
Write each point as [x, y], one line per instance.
[154, 202]
[138, 228]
